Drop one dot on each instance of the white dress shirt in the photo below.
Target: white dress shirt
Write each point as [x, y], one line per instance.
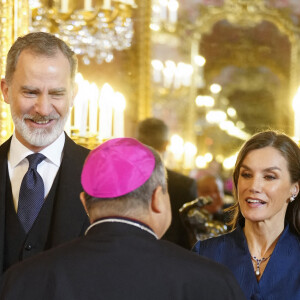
[48, 168]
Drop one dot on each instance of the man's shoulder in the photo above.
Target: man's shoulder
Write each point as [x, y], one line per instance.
[221, 244]
[181, 187]
[192, 264]
[74, 149]
[181, 178]
[4, 147]
[180, 255]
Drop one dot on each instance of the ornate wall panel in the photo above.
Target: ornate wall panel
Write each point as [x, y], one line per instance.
[252, 36]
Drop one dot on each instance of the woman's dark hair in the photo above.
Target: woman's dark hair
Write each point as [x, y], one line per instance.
[290, 151]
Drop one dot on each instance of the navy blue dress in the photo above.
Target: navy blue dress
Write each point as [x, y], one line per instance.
[281, 277]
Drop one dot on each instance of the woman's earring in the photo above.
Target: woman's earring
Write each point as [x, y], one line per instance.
[292, 198]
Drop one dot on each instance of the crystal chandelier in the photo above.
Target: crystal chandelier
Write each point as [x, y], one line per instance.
[92, 28]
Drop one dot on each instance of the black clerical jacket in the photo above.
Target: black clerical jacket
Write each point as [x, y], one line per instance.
[119, 261]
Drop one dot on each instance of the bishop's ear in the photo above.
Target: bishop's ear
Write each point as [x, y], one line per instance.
[160, 204]
[161, 210]
[156, 202]
[82, 198]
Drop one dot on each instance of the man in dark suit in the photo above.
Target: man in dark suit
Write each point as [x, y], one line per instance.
[126, 197]
[39, 86]
[155, 133]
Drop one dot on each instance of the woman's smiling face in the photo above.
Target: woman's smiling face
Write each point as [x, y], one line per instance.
[264, 186]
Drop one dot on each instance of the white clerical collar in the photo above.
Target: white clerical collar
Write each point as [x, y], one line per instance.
[53, 152]
[125, 221]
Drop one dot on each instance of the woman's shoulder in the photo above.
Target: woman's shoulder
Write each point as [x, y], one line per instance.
[216, 243]
[292, 237]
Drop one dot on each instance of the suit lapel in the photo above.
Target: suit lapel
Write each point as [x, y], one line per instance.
[3, 167]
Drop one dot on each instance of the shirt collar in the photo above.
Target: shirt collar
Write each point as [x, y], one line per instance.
[123, 220]
[53, 152]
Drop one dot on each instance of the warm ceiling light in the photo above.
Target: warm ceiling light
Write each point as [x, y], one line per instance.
[216, 116]
[201, 162]
[226, 125]
[240, 124]
[199, 60]
[208, 157]
[206, 101]
[231, 112]
[215, 88]
[229, 162]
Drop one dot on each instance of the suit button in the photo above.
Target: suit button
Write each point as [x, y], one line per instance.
[28, 247]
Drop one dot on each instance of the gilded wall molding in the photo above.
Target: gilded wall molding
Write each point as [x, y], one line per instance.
[6, 38]
[143, 33]
[246, 13]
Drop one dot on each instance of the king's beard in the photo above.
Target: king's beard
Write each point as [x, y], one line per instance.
[39, 137]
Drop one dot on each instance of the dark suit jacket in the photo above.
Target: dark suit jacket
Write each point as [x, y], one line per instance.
[119, 261]
[181, 189]
[69, 219]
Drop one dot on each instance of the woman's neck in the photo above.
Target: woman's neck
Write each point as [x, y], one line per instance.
[261, 237]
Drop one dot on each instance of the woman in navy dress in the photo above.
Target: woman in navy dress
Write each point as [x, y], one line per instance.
[263, 249]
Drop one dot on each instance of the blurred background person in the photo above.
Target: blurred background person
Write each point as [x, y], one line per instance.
[155, 133]
[263, 250]
[213, 187]
[205, 217]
